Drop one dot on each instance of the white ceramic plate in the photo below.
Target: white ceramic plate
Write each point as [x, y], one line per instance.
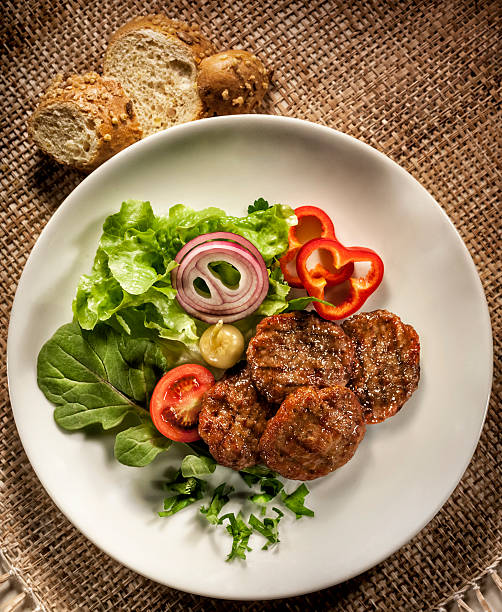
[404, 469]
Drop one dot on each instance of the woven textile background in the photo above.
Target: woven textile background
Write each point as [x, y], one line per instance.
[416, 80]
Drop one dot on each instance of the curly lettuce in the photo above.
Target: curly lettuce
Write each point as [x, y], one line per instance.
[129, 286]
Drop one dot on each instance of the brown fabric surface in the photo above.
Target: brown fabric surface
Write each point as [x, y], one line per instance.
[418, 81]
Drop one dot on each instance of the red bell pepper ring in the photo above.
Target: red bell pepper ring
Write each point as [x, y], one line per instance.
[359, 288]
[312, 223]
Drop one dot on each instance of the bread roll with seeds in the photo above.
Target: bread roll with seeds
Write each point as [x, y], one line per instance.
[83, 120]
[155, 59]
[232, 82]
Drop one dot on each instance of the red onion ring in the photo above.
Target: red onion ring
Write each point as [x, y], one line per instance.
[217, 236]
[224, 303]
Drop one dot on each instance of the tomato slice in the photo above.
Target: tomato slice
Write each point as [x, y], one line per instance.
[176, 401]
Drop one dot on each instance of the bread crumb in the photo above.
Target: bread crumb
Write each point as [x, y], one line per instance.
[264, 84]
[115, 121]
[238, 101]
[107, 137]
[225, 94]
[123, 117]
[185, 38]
[248, 85]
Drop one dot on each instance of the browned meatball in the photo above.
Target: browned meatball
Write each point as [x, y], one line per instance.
[296, 349]
[387, 367]
[314, 432]
[232, 420]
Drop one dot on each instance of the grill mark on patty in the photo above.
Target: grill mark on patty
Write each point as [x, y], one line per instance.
[387, 366]
[314, 432]
[232, 420]
[297, 349]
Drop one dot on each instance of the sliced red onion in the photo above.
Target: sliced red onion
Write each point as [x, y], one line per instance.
[224, 303]
[217, 236]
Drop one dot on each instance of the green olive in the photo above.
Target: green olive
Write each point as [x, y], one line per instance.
[221, 345]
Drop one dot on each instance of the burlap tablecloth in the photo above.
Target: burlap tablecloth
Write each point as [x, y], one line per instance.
[419, 82]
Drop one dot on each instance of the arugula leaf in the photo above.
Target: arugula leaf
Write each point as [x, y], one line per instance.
[259, 204]
[240, 533]
[189, 490]
[301, 302]
[138, 446]
[193, 465]
[269, 528]
[219, 499]
[270, 487]
[294, 501]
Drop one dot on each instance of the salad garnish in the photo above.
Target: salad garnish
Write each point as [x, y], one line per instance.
[358, 289]
[190, 488]
[176, 401]
[231, 273]
[312, 223]
[151, 334]
[221, 345]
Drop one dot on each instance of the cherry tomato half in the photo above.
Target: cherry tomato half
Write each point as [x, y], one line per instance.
[176, 401]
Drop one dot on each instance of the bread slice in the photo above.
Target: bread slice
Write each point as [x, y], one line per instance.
[155, 59]
[83, 120]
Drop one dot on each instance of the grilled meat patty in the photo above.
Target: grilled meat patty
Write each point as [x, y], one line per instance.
[314, 432]
[297, 349]
[387, 365]
[232, 419]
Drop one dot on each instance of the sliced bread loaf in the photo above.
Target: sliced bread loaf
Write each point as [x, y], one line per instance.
[83, 120]
[155, 59]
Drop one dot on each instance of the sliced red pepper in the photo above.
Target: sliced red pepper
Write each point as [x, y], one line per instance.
[359, 289]
[312, 223]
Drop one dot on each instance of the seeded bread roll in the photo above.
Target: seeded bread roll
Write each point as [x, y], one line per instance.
[83, 120]
[155, 59]
[232, 82]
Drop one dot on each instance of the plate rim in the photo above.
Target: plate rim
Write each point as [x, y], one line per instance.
[238, 119]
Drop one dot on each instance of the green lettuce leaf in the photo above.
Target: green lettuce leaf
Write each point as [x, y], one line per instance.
[129, 286]
[240, 533]
[194, 465]
[219, 499]
[101, 377]
[138, 446]
[188, 491]
[269, 528]
[295, 501]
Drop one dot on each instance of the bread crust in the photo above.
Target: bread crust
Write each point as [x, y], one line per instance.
[231, 83]
[103, 100]
[188, 35]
